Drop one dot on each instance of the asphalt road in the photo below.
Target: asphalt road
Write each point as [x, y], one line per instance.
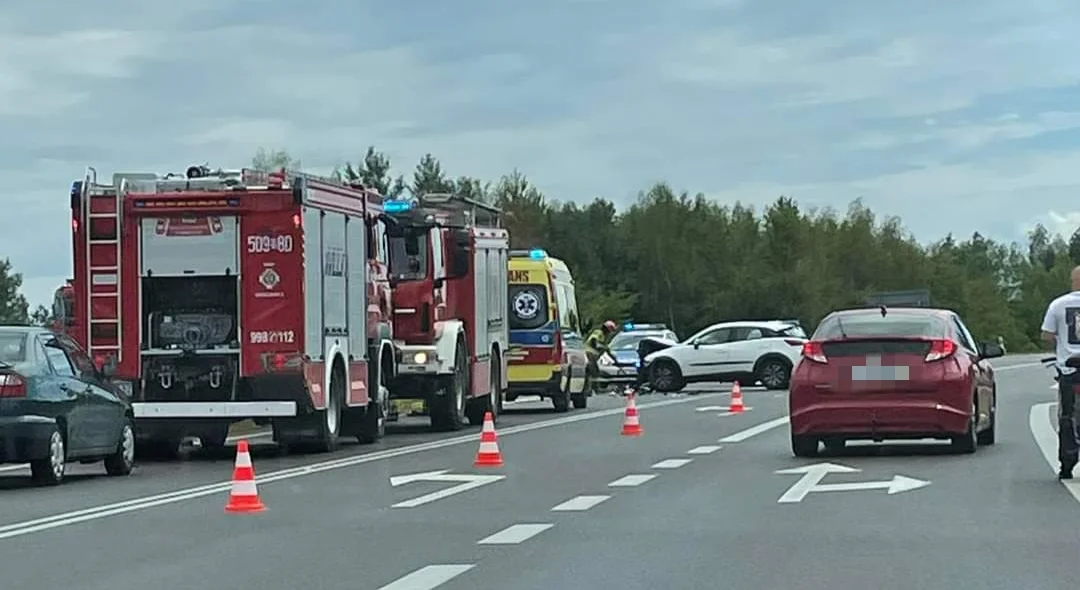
[694, 503]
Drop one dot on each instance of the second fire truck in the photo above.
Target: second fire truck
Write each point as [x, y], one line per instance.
[217, 296]
[448, 274]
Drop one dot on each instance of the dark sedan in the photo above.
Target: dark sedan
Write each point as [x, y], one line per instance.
[56, 407]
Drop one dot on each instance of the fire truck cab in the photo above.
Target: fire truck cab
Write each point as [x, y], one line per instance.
[214, 297]
[448, 257]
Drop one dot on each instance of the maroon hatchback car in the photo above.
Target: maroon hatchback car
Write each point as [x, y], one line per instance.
[893, 373]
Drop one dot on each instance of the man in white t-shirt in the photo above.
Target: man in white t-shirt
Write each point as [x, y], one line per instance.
[1061, 327]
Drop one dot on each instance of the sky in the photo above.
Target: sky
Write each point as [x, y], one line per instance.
[956, 116]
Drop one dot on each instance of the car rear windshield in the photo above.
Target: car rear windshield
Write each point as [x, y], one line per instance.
[12, 347]
[897, 325]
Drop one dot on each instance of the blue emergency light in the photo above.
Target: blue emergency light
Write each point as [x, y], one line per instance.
[628, 326]
[396, 205]
[537, 254]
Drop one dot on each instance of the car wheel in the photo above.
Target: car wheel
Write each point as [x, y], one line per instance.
[804, 446]
[774, 374]
[988, 436]
[50, 470]
[122, 461]
[968, 441]
[666, 376]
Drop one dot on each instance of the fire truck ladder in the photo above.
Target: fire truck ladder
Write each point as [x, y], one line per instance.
[470, 211]
[102, 213]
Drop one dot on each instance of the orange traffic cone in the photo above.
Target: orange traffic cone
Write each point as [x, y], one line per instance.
[736, 406]
[244, 497]
[488, 455]
[631, 426]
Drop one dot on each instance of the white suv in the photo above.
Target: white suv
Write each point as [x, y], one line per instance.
[747, 352]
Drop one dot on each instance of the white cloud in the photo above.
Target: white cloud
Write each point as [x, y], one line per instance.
[948, 114]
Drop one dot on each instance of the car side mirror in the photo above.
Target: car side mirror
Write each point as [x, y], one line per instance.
[696, 344]
[990, 350]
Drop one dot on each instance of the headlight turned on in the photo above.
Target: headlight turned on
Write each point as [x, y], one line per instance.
[420, 358]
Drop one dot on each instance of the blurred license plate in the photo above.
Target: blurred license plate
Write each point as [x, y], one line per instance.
[879, 373]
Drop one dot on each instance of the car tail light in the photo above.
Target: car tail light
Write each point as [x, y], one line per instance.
[794, 342]
[12, 385]
[940, 349]
[814, 351]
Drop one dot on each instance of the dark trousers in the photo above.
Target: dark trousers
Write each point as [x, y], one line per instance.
[1068, 420]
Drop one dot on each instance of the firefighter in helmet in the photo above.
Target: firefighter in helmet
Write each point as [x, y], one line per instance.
[596, 344]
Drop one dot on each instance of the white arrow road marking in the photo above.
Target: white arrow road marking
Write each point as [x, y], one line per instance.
[813, 474]
[899, 483]
[467, 482]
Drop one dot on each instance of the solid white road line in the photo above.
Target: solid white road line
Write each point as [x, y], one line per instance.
[1041, 420]
[27, 527]
[671, 463]
[516, 534]
[632, 481]
[428, 577]
[703, 450]
[754, 430]
[579, 504]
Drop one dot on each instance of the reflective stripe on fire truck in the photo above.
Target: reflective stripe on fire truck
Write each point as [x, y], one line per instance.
[213, 409]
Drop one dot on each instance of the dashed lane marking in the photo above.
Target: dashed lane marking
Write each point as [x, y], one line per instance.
[703, 450]
[515, 534]
[429, 577]
[754, 430]
[579, 504]
[632, 480]
[36, 525]
[671, 463]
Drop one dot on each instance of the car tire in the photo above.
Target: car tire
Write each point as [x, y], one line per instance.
[50, 470]
[968, 442]
[989, 436]
[666, 376]
[773, 373]
[804, 446]
[580, 400]
[834, 445]
[122, 461]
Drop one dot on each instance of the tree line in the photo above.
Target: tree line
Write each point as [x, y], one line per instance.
[687, 261]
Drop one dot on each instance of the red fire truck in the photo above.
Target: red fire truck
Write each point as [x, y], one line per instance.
[219, 296]
[448, 257]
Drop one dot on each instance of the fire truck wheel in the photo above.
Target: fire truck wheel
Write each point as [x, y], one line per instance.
[448, 409]
[330, 418]
[373, 422]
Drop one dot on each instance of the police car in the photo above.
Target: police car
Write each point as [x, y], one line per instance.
[620, 366]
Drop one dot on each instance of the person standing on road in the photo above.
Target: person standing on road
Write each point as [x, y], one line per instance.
[1061, 327]
[596, 344]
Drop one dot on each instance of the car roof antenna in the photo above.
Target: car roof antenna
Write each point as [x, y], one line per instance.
[883, 311]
